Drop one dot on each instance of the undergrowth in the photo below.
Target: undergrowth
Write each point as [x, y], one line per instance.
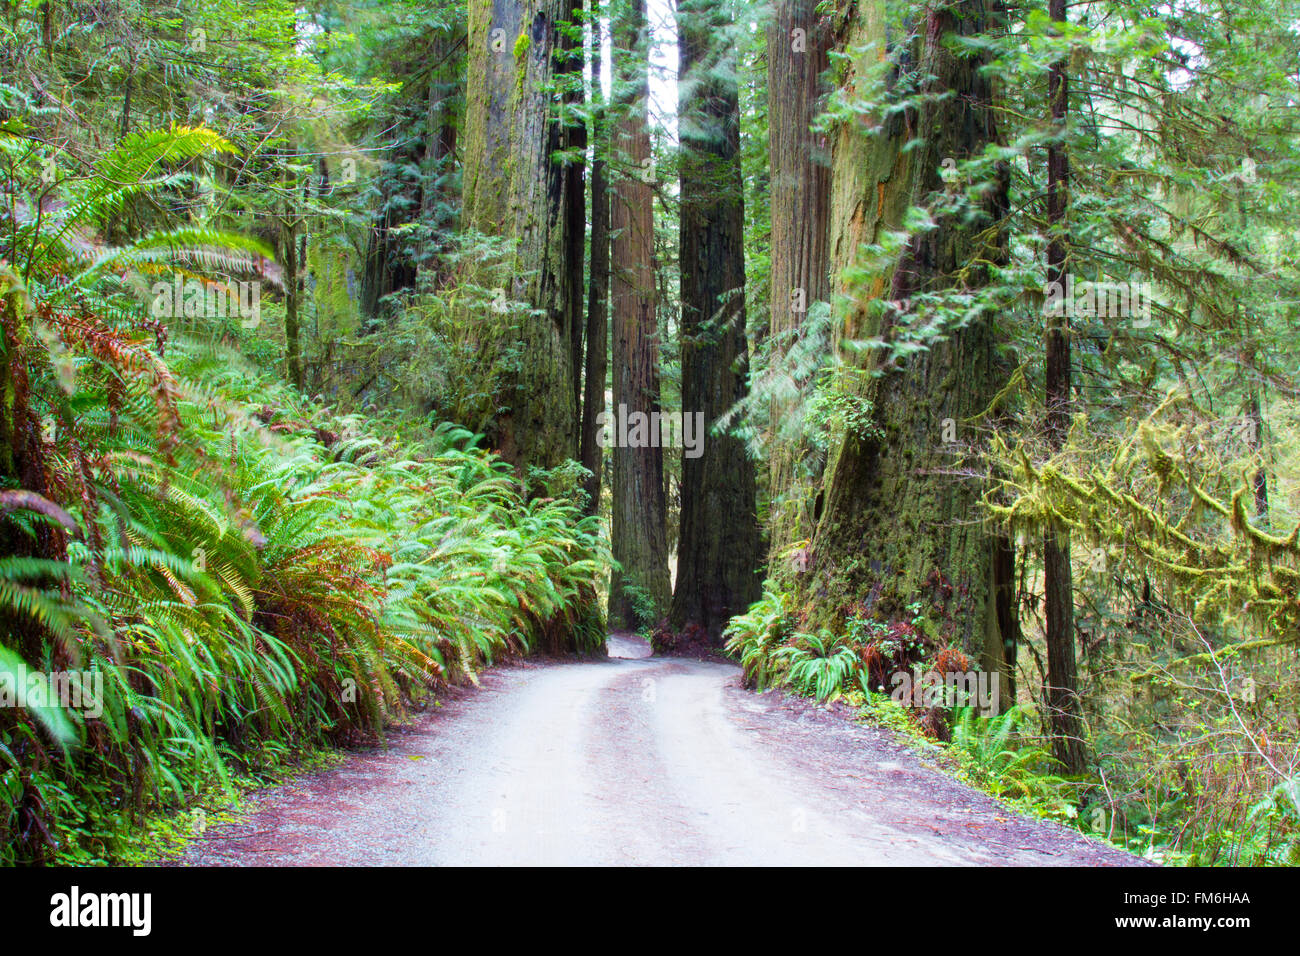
[291, 578]
[233, 573]
[1008, 754]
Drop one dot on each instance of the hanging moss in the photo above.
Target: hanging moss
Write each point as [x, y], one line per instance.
[1144, 506]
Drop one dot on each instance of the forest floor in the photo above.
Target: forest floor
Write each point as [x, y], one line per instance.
[635, 760]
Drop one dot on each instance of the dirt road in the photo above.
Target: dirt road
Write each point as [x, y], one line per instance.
[636, 760]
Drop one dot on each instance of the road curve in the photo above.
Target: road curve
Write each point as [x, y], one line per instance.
[635, 761]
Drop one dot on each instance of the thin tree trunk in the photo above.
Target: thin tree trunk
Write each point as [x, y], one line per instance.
[718, 552]
[47, 29]
[1058, 575]
[125, 126]
[1007, 609]
[293, 353]
[640, 589]
[302, 277]
[1256, 445]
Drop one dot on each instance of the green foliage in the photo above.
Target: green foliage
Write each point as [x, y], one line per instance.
[448, 355]
[992, 750]
[826, 664]
[1276, 815]
[757, 635]
[644, 611]
[819, 665]
[995, 753]
[836, 407]
[312, 586]
[246, 571]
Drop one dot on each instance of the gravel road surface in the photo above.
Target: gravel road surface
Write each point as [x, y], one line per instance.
[641, 761]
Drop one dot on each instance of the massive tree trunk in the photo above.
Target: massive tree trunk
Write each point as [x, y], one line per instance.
[640, 592]
[901, 521]
[516, 187]
[597, 353]
[798, 44]
[1063, 705]
[489, 89]
[718, 555]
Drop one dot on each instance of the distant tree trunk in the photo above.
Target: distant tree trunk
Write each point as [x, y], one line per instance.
[1007, 608]
[386, 268]
[442, 121]
[292, 293]
[900, 524]
[514, 186]
[639, 534]
[125, 126]
[718, 554]
[1063, 707]
[1260, 480]
[303, 266]
[597, 354]
[798, 44]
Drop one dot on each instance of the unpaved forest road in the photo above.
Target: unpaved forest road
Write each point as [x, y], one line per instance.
[635, 760]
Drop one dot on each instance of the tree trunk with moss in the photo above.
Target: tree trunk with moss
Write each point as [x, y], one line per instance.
[1064, 710]
[718, 555]
[902, 521]
[519, 185]
[575, 198]
[292, 296]
[597, 332]
[798, 44]
[640, 592]
[516, 187]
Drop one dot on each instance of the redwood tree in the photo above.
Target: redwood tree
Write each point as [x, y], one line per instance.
[1058, 575]
[518, 184]
[798, 44]
[640, 588]
[718, 555]
[901, 521]
[597, 331]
